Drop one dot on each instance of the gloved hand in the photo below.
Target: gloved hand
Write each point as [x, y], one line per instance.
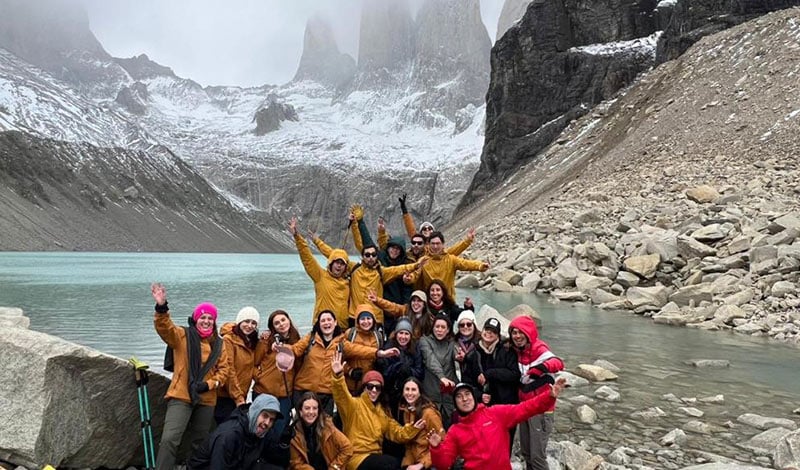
[356, 373]
[537, 371]
[201, 387]
[287, 435]
[402, 200]
[357, 211]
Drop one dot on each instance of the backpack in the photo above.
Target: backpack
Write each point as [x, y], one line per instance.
[378, 336]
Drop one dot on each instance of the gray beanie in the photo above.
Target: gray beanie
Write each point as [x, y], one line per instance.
[403, 325]
[263, 402]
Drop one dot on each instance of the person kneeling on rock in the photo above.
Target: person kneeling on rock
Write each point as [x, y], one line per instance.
[238, 442]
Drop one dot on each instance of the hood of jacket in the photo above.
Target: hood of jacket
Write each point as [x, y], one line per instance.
[337, 253]
[226, 328]
[527, 325]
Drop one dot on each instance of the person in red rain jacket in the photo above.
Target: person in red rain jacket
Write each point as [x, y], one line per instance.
[537, 365]
[481, 431]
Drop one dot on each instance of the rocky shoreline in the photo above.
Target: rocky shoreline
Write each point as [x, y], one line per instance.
[710, 256]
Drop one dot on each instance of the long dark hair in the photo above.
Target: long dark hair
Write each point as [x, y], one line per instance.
[319, 424]
[443, 317]
[424, 324]
[294, 335]
[337, 330]
[446, 300]
[249, 340]
[422, 402]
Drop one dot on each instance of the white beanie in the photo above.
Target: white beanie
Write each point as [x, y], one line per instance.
[464, 315]
[248, 313]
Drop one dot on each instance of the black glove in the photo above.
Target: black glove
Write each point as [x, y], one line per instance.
[162, 308]
[287, 435]
[356, 374]
[202, 387]
[402, 200]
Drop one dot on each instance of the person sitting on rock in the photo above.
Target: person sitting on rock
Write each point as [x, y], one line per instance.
[331, 285]
[201, 367]
[238, 442]
[537, 364]
[481, 432]
[444, 266]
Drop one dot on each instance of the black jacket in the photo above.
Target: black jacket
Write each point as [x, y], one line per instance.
[500, 369]
[232, 446]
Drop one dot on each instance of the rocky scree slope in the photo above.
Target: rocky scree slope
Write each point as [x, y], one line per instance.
[563, 58]
[678, 199]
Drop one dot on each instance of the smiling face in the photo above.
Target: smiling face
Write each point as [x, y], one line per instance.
[248, 326]
[489, 336]
[327, 323]
[417, 305]
[466, 328]
[264, 422]
[373, 390]
[394, 251]
[436, 246]
[440, 329]
[205, 321]
[309, 411]
[281, 324]
[435, 293]
[411, 392]
[519, 338]
[403, 337]
[338, 267]
[366, 322]
[465, 402]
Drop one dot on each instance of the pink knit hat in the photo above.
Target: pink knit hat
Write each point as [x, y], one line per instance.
[205, 307]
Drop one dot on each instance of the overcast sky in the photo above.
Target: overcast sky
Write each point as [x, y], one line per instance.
[246, 42]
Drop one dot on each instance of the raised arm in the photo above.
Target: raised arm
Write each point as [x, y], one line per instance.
[463, 244]
[310, 264]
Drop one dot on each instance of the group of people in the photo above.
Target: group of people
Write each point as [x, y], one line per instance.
[394, 373]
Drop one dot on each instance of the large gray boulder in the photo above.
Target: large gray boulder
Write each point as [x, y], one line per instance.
[787, 453]
[70, 406]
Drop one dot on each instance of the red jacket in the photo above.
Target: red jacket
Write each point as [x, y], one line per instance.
[536, 361]
[480, 436]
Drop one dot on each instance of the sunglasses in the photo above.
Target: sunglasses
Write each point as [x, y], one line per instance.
[417, 243]
[466, 324]
[426, 229]
[370, 254]
[373, 387]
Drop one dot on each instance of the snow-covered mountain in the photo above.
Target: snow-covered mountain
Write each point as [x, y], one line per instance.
[408, 119]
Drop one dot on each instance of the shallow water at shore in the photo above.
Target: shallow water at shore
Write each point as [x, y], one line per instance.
[102, 300]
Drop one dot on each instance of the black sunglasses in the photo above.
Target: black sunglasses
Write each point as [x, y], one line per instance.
[370, 254]
[417, 243]
[373, 387]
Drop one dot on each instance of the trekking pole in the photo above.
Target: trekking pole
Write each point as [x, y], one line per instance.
[141, 376]
[346, 233]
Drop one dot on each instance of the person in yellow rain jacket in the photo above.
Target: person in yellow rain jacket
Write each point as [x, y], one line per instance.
[426, 229]
[331, 285]
[366, 421]
[367, 275]
[443, 266]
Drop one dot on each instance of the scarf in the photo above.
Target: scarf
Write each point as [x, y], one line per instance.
[488, 349]
[197, 370]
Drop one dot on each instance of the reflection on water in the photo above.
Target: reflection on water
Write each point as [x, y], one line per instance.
[102, 300]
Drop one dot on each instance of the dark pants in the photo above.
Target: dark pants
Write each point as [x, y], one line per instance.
[183, 422]
[533, 436]
[379, 462]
